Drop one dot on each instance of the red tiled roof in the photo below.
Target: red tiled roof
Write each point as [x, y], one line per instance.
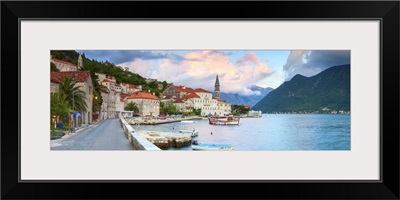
[129, 85]
[117, 85]
[201, 90]
[80, 76]
[105, 90]
[106, 80]
[191, 95]
[61, 61]
[168, 97]
[123, 95]
[178, 100]
[184, 89]
[142, 95]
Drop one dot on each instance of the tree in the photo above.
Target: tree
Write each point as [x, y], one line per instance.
[53, 67]
[132, 107]
[59, 106]
[73, 94]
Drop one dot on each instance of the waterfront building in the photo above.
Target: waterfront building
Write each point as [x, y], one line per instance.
[54, 85]
[100, 77]
[167, 100]
[199, 99]
[223, 107]
[64, 66]
[109, 84]
[119, 103]
[104, 106]
[178, 91]
[254, 113]
[147, 103]
[84, 82]
[118, 87]
[129, 88]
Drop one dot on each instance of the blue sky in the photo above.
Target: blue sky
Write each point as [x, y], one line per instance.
[238, 70]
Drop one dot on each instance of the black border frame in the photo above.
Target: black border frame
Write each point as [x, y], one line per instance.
[386, 11]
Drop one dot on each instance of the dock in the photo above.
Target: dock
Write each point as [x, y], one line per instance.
[144, 121]
[164, 140]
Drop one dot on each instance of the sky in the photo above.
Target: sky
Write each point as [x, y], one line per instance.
[237, 70]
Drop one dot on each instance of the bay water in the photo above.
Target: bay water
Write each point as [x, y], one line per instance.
[270, 132]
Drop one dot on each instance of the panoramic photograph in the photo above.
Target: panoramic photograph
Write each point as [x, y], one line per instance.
[200, 100]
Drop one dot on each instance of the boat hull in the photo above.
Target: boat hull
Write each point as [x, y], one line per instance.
[224, 121]
[212, 147]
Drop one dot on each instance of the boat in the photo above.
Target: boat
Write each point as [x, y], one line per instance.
[211, 147]
[224, 120]
[192, 133]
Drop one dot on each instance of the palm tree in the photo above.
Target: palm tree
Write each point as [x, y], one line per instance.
[59, 106]
[132, 107]
[71, 90]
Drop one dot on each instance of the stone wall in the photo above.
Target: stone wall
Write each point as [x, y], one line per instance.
[138, 142]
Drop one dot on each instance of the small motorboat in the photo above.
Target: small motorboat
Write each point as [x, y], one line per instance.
[193, 133]
[211, 147]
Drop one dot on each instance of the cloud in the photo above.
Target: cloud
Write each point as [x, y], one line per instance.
[309, 63]
[199, 69]
[248, 59]
[123, 56]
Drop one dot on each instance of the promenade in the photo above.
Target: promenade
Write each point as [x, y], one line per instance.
[106, 135]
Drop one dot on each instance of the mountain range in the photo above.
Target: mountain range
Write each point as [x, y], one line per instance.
[323, 93]
[251, 100]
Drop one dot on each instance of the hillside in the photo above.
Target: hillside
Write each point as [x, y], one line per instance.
[329, 90]
[120, 74]
[246, 100]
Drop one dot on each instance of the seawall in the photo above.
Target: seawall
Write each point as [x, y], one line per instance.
[138, 142]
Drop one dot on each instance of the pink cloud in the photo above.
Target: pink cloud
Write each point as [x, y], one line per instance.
[199, 69]
[248, 59]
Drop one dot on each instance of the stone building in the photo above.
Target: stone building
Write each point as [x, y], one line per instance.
[177, 91]
[84, 81]
[65, 66]
[147, 103]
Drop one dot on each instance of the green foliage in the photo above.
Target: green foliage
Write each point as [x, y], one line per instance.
[60, 107]
[239, 110]
[170, 109]
[120, 74]
[132, 107]
[328, 89]
[53, 67]
[196, 111]
[75, 96]
[69, 56]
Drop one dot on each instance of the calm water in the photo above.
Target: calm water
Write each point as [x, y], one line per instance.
[272, 132]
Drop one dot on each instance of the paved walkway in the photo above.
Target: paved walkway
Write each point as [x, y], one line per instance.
[106, 135]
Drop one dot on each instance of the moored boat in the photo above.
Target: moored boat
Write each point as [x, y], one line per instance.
[224, 120]
[193, 133]
[211, 147]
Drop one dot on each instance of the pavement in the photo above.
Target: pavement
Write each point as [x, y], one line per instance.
[105, 135]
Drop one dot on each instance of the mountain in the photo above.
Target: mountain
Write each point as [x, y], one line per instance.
[246, 100]
[327, 91]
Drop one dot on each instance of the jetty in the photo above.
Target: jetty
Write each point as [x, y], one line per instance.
[164, 140]
[155, 121]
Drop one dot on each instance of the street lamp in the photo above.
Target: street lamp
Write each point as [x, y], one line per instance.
[73, 105]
